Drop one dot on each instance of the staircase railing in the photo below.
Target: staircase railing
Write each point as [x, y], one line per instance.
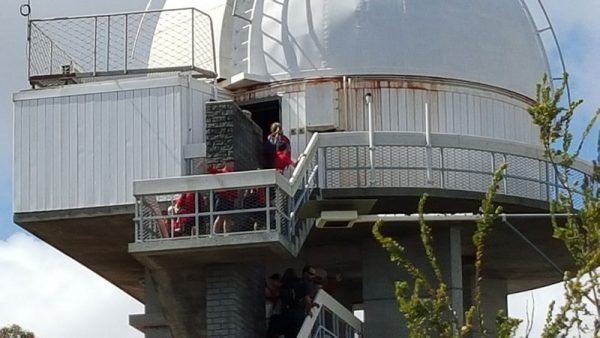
[330, 319]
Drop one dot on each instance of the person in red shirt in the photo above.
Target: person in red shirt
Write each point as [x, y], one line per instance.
[186, 204]
[282, 158]
[275, 141]
[225, 200]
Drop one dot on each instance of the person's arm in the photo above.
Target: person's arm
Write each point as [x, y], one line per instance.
[289, 161]
[287, 142]
[213, 170]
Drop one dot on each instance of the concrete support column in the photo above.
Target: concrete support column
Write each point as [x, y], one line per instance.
[493, 297]
[152, 323]
[381, 315]
[235, 300]
[448, 248]
[382, 318]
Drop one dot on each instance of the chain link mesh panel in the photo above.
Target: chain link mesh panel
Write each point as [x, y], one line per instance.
[145, 41]
[213, 213]
[451, 168]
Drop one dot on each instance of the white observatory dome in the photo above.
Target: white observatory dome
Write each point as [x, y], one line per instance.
[489, 42]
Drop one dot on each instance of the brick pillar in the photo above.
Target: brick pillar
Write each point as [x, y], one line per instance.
[235, 300]
[230, 133]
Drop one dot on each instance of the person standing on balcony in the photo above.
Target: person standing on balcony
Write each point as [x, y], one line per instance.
[282, 158]
[185, 204]
[274, 141]
[225, 200]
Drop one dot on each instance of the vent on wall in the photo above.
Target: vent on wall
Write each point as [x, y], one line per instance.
[342, 219]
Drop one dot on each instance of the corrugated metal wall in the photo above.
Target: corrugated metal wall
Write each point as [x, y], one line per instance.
[84, 150]
[400, 106]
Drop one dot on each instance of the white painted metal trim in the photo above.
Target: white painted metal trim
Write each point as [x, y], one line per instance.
[173, 185]
[439, 217]
[323, 299]
[194, 150]
[118, 85]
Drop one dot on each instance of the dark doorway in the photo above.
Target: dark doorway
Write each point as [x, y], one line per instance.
[264, 113]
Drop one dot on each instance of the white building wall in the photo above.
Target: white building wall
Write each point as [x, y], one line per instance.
[454, 109]
[399, 105]
[82, 146]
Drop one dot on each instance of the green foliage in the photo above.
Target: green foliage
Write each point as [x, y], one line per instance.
[427, 306]
[14, 331]
[579, 230]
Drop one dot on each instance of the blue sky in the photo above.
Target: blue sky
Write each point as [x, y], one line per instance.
[40, 287]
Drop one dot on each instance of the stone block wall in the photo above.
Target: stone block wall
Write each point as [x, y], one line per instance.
[230, 133]
[235, 304]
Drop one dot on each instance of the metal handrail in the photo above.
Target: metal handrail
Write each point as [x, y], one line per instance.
[315, 323]
[298, 189]
[121, 13]
[348, 167]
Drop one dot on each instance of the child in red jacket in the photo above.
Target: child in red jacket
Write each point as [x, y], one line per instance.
[282, 158]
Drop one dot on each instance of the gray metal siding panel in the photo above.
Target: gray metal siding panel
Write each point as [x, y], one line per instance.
[85, 150]
[464, 111]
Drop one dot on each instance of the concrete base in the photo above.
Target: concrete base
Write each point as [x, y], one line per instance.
[235, 302]
[219, 300]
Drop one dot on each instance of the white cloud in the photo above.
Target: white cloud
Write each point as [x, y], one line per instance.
[50, 294]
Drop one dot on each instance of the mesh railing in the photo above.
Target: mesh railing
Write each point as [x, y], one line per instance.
[137, 42]
[229, 210]
[456, 168]
[207, 213]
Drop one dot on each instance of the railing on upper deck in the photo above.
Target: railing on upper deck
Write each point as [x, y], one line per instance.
[265, 201]
[458, 162]
[259, 201]
[117, 44]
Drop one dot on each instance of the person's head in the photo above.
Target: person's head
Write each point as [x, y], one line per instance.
[229, 163]
[309, 272]
[275, 128]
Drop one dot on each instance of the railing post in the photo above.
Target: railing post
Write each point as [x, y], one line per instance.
[137, 220]
[125, 42]
[268, 206]
[95, 44]
[428, 149]
[211, 198]
[108, 44]
[442, 169]
[141, 220]
[28, 47]
[504, 181]
[51, 55]
[369, 101]
[196, 212]
[193, 39]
